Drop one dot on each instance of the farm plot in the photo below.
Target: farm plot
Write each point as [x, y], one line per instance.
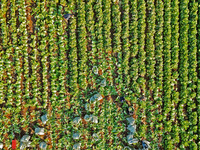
[106, 74]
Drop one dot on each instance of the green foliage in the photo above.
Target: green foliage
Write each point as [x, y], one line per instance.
[141, 49]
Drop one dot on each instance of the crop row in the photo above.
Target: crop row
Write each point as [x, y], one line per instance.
[174, 69]
[192, 75]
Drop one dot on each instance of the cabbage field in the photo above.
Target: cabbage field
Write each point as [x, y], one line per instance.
[100, 74]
